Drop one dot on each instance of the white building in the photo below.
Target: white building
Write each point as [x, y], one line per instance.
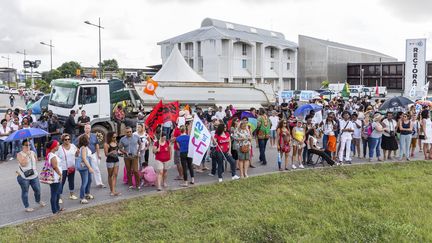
[227, 52]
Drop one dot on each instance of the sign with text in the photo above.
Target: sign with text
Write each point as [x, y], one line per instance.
[199, 141]
[415, 67]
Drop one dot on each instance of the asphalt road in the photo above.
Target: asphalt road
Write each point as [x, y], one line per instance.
[12, 209]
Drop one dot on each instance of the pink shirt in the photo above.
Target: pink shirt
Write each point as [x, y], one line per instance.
[149, 174]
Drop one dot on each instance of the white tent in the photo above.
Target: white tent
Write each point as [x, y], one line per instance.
[176, 69]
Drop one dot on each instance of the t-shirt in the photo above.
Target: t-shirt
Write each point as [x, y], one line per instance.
[50, 157]
[375, 133]
[223, 142]
[130, 144]
[144, 140]
[274, 122]
[357, 131]
[220, 115]
[4, 130]
[30, 165]
[67, 156]
[83, 120]
[183, 141]
[176, 133]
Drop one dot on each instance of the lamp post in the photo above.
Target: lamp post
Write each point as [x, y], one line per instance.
[51, 47]
[7, 58]
[361, 76]
[25, 69]
[100, 52]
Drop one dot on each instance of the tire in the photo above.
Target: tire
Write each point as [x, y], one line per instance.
[101, 133]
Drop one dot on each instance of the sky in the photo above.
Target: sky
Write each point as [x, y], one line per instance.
[132, 28]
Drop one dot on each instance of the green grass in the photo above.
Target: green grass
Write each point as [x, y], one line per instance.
[368, 203]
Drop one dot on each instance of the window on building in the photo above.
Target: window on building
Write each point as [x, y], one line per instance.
[385, 70]
[191, 62]
[244, 49]
[399, 69]
[243, 80]
[179, 46]
[392, 70]
[272, 64]
[272, 51]
[87, 95]
[244, 63]
[353, 70]
[288, 66]
[429, 70]
[199, 48]
[226, 80]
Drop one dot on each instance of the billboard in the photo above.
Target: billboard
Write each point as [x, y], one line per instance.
[415, 67]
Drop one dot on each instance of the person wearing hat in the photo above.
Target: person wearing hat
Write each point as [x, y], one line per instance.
[374, 140]
[181, 120]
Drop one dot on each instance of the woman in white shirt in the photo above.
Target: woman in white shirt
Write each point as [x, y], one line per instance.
[346, 129]
[274, 119]
[389, 142]
[67, 153]
[52, 147]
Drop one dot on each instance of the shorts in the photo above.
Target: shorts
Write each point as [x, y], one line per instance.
[111, 165]
[162, 165]
[413, 142]
[177, 157]
[243, 156]
[273, 134]
[298, 144]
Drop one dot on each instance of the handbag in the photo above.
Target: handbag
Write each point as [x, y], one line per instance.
[245, 148]
[47, 174]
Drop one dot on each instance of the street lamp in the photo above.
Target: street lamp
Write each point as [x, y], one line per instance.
[361, 76]
[7, 58]
[51, 47]
[100, 52]
[25, 69]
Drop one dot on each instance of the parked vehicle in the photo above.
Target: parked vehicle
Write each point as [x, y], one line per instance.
[328, 94]
[13, 91]
[2, 88]
[336, 87]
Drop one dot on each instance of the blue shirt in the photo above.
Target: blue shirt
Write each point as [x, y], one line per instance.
[183, 141]
[92, 142]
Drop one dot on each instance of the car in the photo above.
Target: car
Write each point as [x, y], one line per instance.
[328, 94]
[13, 91]
[2, 88]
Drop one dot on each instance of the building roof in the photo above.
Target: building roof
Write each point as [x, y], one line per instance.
[343, 46]
[218, 29]
[176, 69]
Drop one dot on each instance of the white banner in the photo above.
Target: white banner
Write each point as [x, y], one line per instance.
[415, 68]
[199, 141]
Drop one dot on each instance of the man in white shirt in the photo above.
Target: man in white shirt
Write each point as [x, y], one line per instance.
[274, 119]
[346, 129]
[220, 114]
[357, 134]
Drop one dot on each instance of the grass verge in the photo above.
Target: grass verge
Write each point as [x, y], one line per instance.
[380, 202]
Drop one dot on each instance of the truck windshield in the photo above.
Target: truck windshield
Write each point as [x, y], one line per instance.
[63, 97]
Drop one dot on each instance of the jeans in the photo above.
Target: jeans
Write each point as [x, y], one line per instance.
[220, 159]
[374, 145]
[306, 157]
[4, 150]
[186, 163]
[325, 141]
[55, 196]
[262, 143]
[70, 178]
[86, 179]
[35, 185]
[405, 144]
[365, 146]
[41, 149]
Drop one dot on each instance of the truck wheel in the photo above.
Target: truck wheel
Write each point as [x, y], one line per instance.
[100, 132]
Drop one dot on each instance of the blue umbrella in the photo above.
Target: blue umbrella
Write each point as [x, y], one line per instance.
[305, 109]
[26, 133]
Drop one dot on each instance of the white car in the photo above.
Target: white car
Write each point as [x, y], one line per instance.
[13, 91]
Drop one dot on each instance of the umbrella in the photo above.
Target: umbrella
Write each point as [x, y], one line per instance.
[252, 121]
[396, 102]
[304, 109]
[25, 134]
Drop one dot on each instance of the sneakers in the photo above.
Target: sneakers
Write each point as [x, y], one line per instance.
[42, 204]
[73, 197]
[184, 184]
[293, 167]
[301, 166]
[210, 174]
[60, 201]
[84, 201]
[220, 180]
[28, 210]
[235, 177]
[89, 196]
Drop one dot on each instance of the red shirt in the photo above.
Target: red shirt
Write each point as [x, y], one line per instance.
[164, 153]
[223, 142]
[176, 134]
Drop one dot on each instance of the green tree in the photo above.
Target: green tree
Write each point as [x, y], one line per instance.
[51, 75]
[110, 65]
[68, 69]
[42, 86]
[325, 84]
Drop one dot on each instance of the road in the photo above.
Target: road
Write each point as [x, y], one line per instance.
[12, 209]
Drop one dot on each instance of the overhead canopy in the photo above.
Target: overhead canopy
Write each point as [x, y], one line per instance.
[176, 69]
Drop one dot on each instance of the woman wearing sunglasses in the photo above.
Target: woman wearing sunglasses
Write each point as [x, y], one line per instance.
[67, 153]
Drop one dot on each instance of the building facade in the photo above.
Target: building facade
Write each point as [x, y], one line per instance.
[389, 74]
[226, 52]
[321, 60]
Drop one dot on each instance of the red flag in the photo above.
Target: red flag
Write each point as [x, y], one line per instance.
[154, 119]
[171, 111]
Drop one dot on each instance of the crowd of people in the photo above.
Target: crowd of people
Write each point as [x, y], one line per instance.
[332, 134]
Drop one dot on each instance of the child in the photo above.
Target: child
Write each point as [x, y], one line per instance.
[148, 175]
